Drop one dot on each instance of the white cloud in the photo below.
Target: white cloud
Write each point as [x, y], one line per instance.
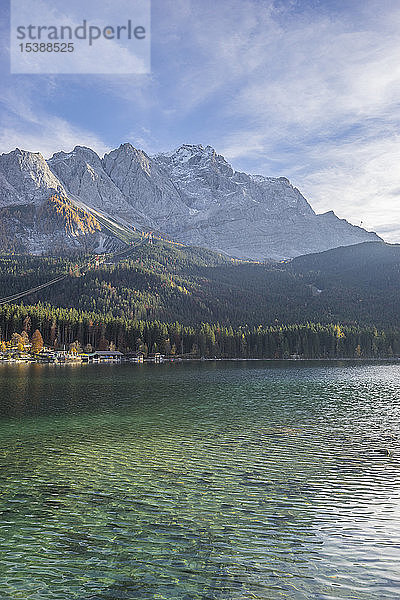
[55, 135]
[312, 94]
[99, 55]
[361, 181]
[44, 133]
[210, 47]
[27, 126]
[321, 108]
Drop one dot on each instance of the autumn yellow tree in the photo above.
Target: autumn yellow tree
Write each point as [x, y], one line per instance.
[37, 342]
[75, 347]
[16, 339]
[339, 332]
[24, 337]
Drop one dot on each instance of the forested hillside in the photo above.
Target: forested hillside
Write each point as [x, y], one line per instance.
[356, 285]
[171, 298]
[372, 266]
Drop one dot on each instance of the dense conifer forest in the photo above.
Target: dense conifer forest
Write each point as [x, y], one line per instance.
[180, 300]
[62, 328]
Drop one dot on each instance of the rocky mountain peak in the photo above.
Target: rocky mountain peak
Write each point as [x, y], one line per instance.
[127, 157]
[78, 156]
[187, 151]
[192, 157]
[24, 158]
[144, 184]
[191, 194]
[28, 175]
[203, 176]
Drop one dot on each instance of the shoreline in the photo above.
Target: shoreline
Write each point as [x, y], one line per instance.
[199, 360]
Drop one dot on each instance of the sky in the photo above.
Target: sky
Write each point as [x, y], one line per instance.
[306, 89]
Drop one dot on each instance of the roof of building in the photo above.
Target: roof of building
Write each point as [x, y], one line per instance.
[105, 353]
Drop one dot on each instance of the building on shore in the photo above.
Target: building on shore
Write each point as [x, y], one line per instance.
[134, 357]
[101, 356]
[156, 357]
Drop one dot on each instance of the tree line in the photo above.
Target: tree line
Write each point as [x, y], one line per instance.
[61, 327]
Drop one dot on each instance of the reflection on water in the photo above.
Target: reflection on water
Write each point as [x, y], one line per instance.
[202, 481]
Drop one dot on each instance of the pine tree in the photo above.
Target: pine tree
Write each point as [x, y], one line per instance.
[103, 344]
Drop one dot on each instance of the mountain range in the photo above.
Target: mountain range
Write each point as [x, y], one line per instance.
[77, 200]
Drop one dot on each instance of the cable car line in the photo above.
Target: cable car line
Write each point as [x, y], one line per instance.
[24, 293]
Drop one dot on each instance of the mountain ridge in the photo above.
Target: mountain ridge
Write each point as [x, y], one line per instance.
[191, 194]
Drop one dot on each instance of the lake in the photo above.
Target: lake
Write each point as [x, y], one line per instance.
[226, 480]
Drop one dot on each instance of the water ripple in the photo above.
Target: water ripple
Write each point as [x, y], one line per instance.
[216, 481]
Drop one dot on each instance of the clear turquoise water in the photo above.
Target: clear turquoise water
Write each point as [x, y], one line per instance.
[200, 481]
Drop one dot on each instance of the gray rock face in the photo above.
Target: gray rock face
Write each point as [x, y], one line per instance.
[248, 216]
[145, 185]
[26, 184]
[192, 194]
[25, 178]
[82, 173]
